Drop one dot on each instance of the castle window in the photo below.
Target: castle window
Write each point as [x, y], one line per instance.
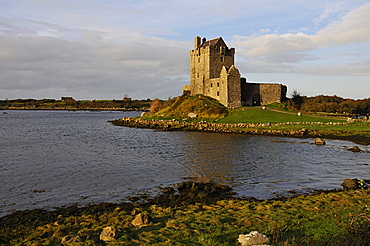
[218, 93]
[218, 84]
[197, 75]
[222, 59]
[211, 84]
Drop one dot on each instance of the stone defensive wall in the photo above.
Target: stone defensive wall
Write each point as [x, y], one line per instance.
[240, 128]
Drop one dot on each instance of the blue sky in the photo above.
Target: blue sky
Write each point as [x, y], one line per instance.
[93, 49]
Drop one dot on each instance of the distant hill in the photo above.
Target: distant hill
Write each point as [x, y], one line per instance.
[180, 107]
[124, 105]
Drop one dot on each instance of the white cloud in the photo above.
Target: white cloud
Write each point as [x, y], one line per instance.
[353, 28]
[86, 69]
[276, 51]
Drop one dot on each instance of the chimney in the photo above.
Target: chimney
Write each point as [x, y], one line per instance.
[196, 42]
[203, 41]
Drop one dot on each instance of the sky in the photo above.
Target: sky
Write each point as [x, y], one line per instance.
[109, 49]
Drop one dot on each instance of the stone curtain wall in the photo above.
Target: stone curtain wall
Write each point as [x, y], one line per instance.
[248, 91]
[270, 93]
[256, 94]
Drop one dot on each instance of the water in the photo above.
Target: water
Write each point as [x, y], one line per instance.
[56, 158]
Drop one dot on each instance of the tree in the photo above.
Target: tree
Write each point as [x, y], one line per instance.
[297, 99]
[156, 106]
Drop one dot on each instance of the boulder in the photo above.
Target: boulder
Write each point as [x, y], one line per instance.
[108, 234]
[355, 149]
[70, 239]
[141, 220]
[319, 141]
[253, 238]
[349, 184]
[192, 115]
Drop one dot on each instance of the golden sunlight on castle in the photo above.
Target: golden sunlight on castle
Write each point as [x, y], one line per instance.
[213, 74]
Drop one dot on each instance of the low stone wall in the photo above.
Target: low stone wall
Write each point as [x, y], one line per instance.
[241, 128]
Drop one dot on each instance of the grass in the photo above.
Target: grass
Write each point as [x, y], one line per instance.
[180, 107]
[336, 218]
[259, 115]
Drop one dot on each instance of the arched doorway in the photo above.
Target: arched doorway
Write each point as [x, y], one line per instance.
[256, 100]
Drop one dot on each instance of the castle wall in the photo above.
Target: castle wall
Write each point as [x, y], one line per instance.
[271, 93]
[255, 94]
[219, 56]
[214, 88]
[233, 88]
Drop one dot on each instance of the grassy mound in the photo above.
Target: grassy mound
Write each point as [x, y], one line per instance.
[180, 107]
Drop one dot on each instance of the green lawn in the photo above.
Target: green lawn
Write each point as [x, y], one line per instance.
[259, 115]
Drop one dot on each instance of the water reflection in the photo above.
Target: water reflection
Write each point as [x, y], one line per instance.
[211, 155]
[261, 166]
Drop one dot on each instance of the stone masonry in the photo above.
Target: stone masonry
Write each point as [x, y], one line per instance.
[213, 74]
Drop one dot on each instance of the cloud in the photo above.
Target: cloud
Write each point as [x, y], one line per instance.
[353, 28]
[87, 69]
[330, 10]
[276, 51]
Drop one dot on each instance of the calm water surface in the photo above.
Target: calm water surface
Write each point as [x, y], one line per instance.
[56, 158]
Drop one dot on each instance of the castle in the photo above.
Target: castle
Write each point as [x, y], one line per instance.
[213, 74]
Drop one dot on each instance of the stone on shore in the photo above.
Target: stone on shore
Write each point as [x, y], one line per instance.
[253, 238]
[349, 184]
[108, 234]
[192, 115]
[319, 141]
[70, 239]
[355, 149]
[141, 220]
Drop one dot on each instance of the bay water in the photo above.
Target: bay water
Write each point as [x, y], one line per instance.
[57, 158]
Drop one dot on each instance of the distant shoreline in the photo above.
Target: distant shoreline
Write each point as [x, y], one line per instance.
[75, 109]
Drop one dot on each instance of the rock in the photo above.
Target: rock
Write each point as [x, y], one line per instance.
[70, 239]
[141, 220]
[253, 238]
[134, 212]
[355, 149]
[108, 234]
[319, 141]
[349, 184]
[192, 115]
[168, 190]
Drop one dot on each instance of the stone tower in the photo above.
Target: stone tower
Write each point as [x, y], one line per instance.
[212, 72]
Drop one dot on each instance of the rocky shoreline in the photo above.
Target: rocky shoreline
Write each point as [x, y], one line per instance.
[239, 128]
[180, 209]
